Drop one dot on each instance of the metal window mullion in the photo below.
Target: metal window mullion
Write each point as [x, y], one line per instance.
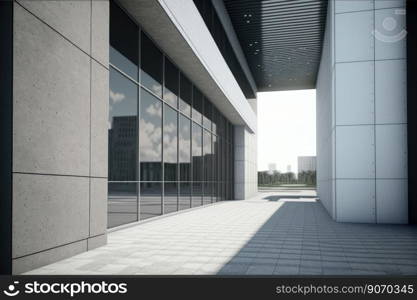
[138, 188]
[178, 142]
[191, 148]
[162, 138]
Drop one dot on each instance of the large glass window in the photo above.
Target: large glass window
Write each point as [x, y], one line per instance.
[214, 160]
[197, 194]
[170, 144]
[207, 192]
[185, 148]
[151, 66]
[186, 90]
[123, 107]
[164, 150]
[122, 203]
[150, 150]
[150, 199]
[184, 200]
[170, 197]
[197, 153]
[207, 155]
[207, 116]
[197, 105]
[171, 83]
[124, 47]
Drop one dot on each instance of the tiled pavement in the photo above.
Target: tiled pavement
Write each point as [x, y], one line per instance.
[270, 234]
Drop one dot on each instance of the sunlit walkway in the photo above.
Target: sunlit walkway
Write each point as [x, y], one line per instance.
[269, 234]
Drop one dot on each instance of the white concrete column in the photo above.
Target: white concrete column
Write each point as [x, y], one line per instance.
[246, 167]
[362, 147]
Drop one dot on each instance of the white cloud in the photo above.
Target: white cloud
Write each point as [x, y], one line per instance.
[154, 109]
[117, 97]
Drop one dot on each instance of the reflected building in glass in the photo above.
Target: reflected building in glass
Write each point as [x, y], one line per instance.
[168, 144]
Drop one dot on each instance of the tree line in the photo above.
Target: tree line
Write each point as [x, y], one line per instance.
[278, 178]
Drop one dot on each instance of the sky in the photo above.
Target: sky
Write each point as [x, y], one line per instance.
[286, 128]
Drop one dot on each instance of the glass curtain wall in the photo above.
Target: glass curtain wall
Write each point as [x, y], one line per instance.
[169, 148]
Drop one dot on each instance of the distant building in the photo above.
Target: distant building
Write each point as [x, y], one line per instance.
[289, 169]
[272, 167]
[306, 163]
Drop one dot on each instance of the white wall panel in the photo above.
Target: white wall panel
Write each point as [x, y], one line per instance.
[392, 201]
[390, 34]
[391, 91]
[355, 151]
[355, 93]
[355, 200]
[391, 151]
[354, 39]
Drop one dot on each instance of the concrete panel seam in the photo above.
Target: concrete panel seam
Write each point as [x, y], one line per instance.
[57, 32]
[64, 175]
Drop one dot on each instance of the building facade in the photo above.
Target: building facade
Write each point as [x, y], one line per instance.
[115, 112]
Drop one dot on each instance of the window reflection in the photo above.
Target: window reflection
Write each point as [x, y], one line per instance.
[207, 192]
[122, 124]
[150, 137]
[197, 198]
[122, 203]
[207, 155]
[151, 68]
[171, 83]
[150, 199]
[197, 153]
[207, 114]
[185, 148]
[170, 144]
[170, 197]
[184, 200]
[197, 105]
[123, 42]
[185, 99]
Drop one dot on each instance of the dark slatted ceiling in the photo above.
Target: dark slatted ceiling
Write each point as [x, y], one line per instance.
[281, 39]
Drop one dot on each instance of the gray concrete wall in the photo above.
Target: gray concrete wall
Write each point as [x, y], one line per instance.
[60, 111]
[362, 148]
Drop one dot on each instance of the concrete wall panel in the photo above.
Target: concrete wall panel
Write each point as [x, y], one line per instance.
[27, 263]
[99, 119]
[392, 204]
[389, 3]
[391, 151]
[355, 93]
[342, 6]
[354, 39]
[98, 206]
[100, 14]
[69, 18]
[355, 200]
[390, 34]
[51, 100]
[355, 152]
[391, 91]
[48, 211]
